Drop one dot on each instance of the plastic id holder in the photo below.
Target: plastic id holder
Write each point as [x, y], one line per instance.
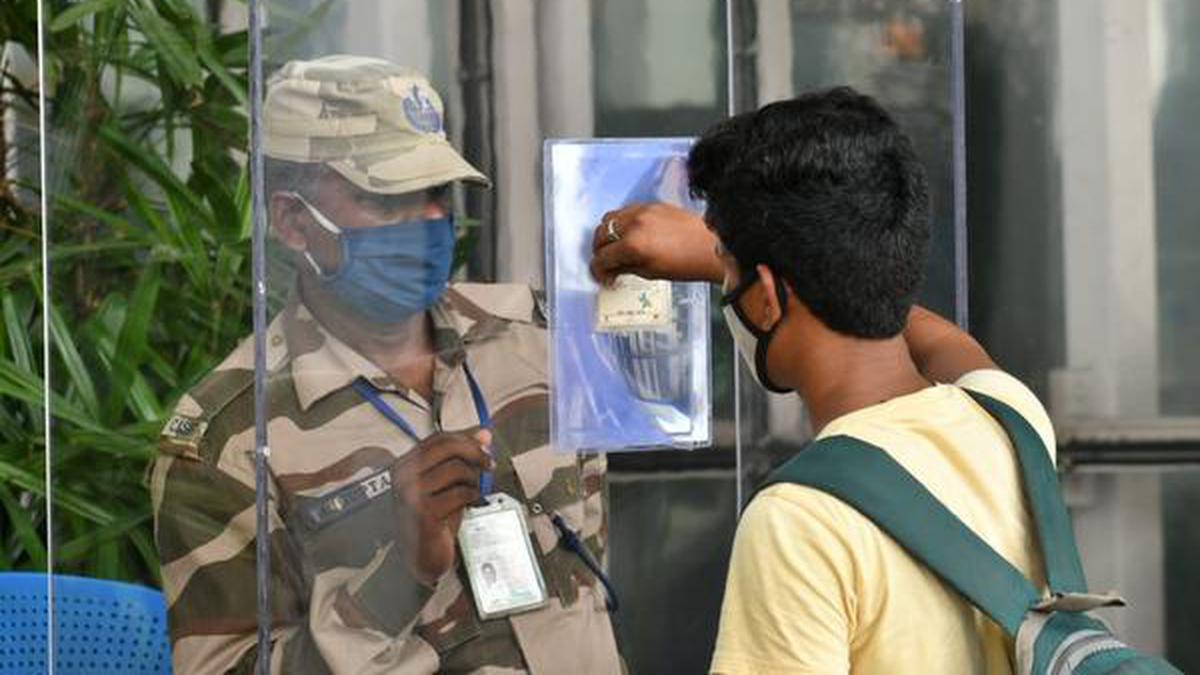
[499, 559]
[630, 366]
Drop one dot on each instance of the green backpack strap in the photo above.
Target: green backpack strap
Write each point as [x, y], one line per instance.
[1064, 571]
[869, 480]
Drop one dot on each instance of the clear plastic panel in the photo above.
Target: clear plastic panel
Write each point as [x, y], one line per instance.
[148, 231]
[24, 549]
[1058, 173]
[1177, 155]
[900, 53]
[408, 340]
[630, 364]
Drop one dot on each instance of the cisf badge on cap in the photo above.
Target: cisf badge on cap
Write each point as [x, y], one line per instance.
[421, 113]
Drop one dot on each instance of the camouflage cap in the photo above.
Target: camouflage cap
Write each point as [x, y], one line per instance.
[378, 124]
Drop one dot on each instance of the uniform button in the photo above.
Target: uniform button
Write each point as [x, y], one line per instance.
[276, 341]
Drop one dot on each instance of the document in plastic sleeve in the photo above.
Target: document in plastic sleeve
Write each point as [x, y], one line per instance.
[499, 558]
[629, 365]
[633, 302]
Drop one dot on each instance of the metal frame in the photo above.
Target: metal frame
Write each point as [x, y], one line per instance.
[262, 450]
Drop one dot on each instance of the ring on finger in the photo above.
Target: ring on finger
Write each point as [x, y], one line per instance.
[613, 234]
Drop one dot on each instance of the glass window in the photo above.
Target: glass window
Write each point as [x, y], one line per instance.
[1079, 236]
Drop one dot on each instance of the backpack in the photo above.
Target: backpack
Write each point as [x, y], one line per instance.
[1053, 632]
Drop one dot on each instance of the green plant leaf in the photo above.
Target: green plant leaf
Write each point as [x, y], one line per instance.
[25, 386]
[223, 201]
[77, 370]
[63, 497]
[150, 164]
[204, 50]
[75, 549]
[106, 558]
[243, 203]
[18, 334]
[132, 342]
[170, 46]
[74, 13]
[23, 526]
[147, 553]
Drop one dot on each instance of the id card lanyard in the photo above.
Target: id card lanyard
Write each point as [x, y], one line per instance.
[567, 538]
[369, 392]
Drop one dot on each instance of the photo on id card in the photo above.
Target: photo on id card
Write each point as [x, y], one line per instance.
[630, 364]
[499, 559]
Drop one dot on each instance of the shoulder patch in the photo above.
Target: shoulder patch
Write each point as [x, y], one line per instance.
[510, 302]
[185, 429]
[183, 433]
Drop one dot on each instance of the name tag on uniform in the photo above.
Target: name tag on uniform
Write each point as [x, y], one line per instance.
[634, 303]
[499, 558]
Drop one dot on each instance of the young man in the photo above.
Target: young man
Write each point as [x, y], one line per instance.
[819, 222]
[391, 393]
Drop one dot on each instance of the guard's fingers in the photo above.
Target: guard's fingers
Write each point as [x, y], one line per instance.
[452, 501]
[447, 475]
[440, 448]
[484, 436]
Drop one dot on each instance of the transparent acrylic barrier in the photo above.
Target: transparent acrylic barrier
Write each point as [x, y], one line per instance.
[369, 341]
[24, 508]
[147, 227]
[630, 365]
[900, 53]
[1042, 202]
[1176, 101]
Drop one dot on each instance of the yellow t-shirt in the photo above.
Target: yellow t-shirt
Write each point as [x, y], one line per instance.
[815, 587]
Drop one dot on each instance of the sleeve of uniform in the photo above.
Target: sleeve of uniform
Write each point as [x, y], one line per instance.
[363, 620]
[205, 532]
[1008, 389]
[360, 620]
[790, 597]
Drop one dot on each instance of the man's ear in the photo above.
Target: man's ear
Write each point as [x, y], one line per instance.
[769, 307]
[290, 219]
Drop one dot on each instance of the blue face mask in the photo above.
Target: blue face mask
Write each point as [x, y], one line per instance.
[390, 272]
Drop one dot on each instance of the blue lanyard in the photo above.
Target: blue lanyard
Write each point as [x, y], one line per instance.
[567, 538]
[369, 392]
[571, 542]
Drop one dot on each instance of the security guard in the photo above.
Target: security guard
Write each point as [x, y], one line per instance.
[398, 403]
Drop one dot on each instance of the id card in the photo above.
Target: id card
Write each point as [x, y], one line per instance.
[499, 558]
[634, 303]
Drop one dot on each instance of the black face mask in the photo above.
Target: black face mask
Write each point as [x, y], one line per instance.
[751, 341]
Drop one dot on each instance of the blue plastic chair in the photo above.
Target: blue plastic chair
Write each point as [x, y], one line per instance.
[100, 626]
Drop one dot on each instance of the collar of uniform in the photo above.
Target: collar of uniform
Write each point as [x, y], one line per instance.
[471, 322]
[322, 364]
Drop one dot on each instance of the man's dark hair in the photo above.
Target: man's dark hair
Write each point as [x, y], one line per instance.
[826, 191]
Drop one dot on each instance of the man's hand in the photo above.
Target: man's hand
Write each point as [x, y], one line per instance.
[432, 484]
[654, 241]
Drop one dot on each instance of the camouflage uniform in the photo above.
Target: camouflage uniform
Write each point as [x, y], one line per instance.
[344, 598]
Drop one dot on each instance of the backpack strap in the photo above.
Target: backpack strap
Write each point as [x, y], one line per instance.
[869, 480]
[1064, 571]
